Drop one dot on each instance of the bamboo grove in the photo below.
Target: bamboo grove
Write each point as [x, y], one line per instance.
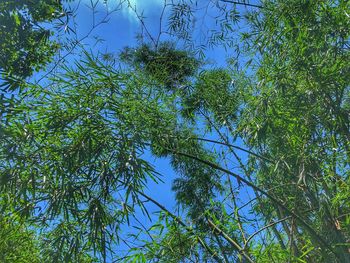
[259, 144]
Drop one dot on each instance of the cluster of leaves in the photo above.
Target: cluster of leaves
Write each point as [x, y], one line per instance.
[223, 106]
[170, 243]
[17, 244]
[167, 65]
[24, 42]
[294, 114]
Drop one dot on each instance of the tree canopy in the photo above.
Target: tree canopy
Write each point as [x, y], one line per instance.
[260, 144]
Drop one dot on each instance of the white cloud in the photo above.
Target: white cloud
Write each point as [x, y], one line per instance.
[129, 6]
[141, 6]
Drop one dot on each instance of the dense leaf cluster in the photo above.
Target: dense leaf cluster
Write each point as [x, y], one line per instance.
[167, 65]
[25, 44]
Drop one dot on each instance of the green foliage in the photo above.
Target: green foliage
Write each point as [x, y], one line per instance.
[223, 105]
[168, 66]
[170, 244]
[79, 144]
[17, 243]
[297, 112]
[65, 243]
[24, 43]
[73, 157]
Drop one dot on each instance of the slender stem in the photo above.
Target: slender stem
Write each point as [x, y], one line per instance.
[231, 241]
[236, 147]
[245, 4]
[239, 222]
[178, 220]
[221, 248]
[313, 233]
[263, 228]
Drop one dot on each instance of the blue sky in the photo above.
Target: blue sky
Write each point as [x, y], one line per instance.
[123, 24]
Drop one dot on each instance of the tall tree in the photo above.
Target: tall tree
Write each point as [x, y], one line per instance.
[73, 158]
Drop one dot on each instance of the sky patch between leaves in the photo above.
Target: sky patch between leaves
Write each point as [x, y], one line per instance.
[128, 7]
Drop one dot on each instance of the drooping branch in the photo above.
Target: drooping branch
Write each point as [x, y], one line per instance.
[319, 239]
[232, 146]
[263, 228]
[236, 147]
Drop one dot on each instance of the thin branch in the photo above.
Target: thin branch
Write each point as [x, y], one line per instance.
[231, 241]
[236, 147]
[265, 227]
[245, 4]
[221, 248]
[76, 43]
[160, 23]
[236, 212]
[178, 220]
[141, 19]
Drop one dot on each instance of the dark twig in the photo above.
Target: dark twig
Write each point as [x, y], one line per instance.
[244, 4]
